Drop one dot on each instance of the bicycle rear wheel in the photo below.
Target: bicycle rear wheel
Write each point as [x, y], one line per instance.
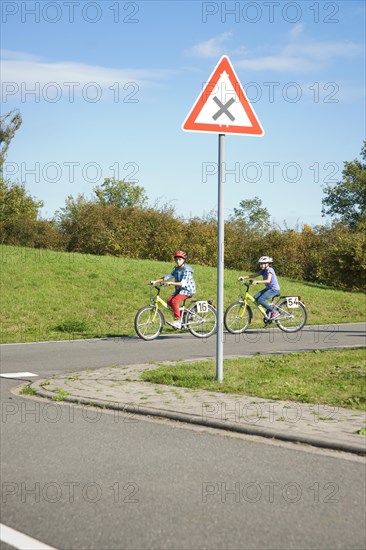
[237, 317]
[201, 325]
[291, 319]
[149, 322]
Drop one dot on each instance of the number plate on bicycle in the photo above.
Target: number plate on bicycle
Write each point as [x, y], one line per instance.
[202, 306]
[292, 301]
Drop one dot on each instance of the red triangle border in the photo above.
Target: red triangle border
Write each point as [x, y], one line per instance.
[191, 126]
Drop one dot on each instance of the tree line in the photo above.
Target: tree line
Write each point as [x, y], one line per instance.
[117, 220]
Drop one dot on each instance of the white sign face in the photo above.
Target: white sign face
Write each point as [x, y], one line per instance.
[223, 107]
[292, 301]
[202, 306]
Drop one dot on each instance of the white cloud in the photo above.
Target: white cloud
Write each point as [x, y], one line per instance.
[296, 31]
[301, 54]
[214, 47]
[334, 92]
[21, 68]
[23, 56]
[276, 63]
[324, 50]
[351, 93]
[298, 55]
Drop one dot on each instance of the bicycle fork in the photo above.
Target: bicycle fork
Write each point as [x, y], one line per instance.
[156, 304]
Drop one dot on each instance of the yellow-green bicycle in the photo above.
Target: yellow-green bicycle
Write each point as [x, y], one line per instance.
[199, 317]
[292, 313]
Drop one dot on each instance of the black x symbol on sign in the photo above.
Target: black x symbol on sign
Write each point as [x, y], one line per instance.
[223, 108]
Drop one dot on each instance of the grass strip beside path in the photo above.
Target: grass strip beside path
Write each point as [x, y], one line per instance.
[49, 295]
[335, 378]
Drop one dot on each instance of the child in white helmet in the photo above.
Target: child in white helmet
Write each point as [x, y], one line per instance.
[269, 278]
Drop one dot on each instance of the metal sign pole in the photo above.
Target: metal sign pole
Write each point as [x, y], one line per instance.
[213, 113]
[220, 264]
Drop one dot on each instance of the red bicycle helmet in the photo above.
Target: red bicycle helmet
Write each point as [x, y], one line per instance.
[180, 254]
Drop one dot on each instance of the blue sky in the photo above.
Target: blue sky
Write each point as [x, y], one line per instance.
[104, 87]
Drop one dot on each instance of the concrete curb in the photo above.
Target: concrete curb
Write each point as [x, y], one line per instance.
[354, 448]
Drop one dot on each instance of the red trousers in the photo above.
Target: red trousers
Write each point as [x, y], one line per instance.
[173, 302]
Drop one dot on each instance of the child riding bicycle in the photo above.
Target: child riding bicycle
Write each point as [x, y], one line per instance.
[270, 280]
[184, 284]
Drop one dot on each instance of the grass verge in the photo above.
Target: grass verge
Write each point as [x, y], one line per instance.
[336, 378]
[48, 295]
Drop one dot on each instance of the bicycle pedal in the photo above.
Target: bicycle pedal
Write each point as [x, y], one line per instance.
[174, 325]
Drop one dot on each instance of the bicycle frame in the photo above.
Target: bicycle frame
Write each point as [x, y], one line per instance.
[248, 298]
[199, 317]
[291, 312]
[158, 302]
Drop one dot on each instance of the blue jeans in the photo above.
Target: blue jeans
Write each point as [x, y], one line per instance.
[265, 294]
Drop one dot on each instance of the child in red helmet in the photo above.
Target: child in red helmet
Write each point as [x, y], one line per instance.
[184, 285]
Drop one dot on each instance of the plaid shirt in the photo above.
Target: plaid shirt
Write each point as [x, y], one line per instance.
[184, 276]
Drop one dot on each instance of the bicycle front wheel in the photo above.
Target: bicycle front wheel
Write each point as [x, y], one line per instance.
[201, 325]
[149, 322]
[291, 319]
[237, 317]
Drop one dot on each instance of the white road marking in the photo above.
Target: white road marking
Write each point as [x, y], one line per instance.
[20, 541]
[17, 374]
[69, 341]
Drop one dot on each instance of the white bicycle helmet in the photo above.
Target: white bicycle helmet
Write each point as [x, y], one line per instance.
[265, 260]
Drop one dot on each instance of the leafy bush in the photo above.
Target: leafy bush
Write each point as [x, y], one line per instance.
[331, 255]
[18, 214]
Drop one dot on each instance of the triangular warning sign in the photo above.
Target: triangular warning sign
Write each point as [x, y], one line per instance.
[223, 107]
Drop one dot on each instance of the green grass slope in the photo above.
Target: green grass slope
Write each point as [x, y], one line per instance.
[47, 295]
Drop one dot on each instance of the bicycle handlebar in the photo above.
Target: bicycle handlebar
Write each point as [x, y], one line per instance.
[244, 283]
[158, 288]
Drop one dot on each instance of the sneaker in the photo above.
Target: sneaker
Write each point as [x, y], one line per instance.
[274, 315]
[175, 324]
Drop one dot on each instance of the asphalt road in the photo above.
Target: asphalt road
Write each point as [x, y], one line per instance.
[73, 355]
[80, 478]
